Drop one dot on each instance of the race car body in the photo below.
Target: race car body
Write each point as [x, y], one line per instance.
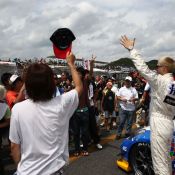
[136, 154]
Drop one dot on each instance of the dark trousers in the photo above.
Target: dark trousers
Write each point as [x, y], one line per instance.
[81, 126]
[93, 129]
[1, 162]
[4, 133]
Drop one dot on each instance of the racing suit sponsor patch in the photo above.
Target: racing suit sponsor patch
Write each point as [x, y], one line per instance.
[170, 97]
[169, 100]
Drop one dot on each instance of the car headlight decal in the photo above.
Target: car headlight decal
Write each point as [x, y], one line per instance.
[124, 148]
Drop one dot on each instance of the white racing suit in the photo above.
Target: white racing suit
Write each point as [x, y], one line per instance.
[161, 114]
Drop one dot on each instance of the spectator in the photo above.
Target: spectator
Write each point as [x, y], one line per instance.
[39, 125]
[16, 92]
[162, 107]
[115, 89]
[134, 75]
[127, 97]
[93, 128]
[108, 105]
[80, 118]
[64, 76]
[4, 115]
[99, 82]
[115, 86]
[68, 85]
[5, 80]
[59, 90]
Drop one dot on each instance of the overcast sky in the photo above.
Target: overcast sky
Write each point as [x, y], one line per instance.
[26, 26]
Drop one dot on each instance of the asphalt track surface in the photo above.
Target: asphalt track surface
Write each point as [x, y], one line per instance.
[99, 162]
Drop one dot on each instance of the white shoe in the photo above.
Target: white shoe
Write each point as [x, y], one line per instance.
[99, 146]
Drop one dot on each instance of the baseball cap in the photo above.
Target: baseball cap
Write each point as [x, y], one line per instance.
[128, 78]
[13, 78]
[62, 42]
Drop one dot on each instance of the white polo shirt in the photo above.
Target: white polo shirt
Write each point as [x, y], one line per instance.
[41, 129]
[127, 93]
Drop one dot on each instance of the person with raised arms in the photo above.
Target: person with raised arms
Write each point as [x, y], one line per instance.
[162, 107]
[39, 125]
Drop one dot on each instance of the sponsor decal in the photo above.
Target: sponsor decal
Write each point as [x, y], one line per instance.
[170, 97]
[124, 148]
[169, 100]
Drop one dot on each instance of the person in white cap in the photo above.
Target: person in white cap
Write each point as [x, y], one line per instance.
[162, 107]
[127, 97]
[16, 92]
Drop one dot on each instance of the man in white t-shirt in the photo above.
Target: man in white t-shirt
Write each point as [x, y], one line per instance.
[39, 125]
[127, 97]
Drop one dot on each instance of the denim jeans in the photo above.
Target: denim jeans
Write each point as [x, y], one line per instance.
[125, 116]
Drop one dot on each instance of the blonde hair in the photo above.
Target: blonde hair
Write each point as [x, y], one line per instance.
[168, 62]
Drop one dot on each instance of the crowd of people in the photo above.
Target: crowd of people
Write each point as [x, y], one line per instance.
[99, 106]
[43, 109]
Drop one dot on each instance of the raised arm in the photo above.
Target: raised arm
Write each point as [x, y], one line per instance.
[75, 76]
[140, 64]
[92, 61]
[127, 43]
